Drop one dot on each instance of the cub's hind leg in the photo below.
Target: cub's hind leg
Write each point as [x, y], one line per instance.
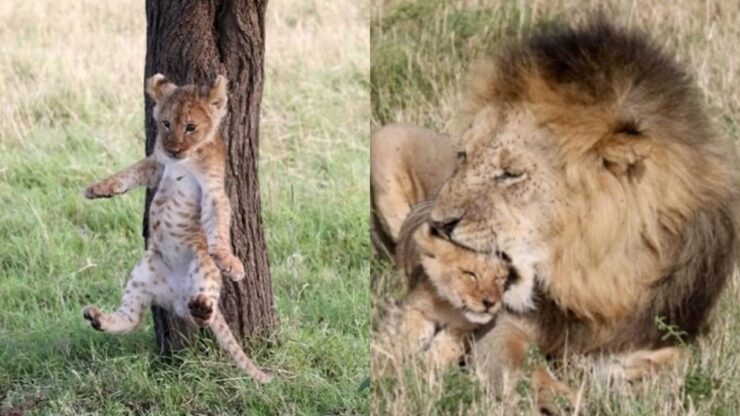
[205, 289]
[144, 282]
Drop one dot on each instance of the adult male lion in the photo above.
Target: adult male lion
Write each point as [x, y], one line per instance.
[590, 163]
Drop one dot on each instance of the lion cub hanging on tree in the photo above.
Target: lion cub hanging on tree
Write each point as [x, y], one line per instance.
[189, 218]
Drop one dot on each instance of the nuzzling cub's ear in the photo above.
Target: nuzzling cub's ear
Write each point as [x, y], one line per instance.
[159, 87]
[426, 241]
[625, 149]
[217, 95]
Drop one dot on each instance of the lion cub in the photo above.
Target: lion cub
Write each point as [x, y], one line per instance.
[462, 291]
[189, 218]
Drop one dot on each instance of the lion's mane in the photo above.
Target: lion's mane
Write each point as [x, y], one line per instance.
[658, 239]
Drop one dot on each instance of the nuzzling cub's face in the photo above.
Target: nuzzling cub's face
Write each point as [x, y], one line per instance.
[187, 117]
[470, 281]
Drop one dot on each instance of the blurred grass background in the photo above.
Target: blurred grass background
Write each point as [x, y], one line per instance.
[420, 50]
[71, 76]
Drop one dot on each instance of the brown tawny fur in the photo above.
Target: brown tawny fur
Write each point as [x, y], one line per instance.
[592, 164]
[453, 291]
[408, 165]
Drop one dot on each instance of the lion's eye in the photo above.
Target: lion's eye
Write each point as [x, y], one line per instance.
[461, 157]
[470, 275]
[190, 128]
[508, 175]
[166, 124]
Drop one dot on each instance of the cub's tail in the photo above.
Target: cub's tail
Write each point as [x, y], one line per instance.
[228, 343]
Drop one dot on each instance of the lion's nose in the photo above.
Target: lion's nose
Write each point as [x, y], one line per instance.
[445, 226]
[488, 302]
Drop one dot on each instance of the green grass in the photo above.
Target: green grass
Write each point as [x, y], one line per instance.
[71, 74]
[420, 50]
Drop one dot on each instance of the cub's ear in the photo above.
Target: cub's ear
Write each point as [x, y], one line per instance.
[425, 240]
[625, 149]
[158, 87]
[217, 96]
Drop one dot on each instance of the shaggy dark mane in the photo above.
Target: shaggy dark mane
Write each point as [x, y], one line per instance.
[598, 55]
[597, 85]
[595, 64]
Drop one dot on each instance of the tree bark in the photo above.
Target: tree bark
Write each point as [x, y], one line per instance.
[191, 41]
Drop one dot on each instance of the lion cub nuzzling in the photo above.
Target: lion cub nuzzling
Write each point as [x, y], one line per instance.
[189, 218]
[461, 291]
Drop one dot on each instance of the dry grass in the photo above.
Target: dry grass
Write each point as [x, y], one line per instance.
[419, 52]
[56, 74]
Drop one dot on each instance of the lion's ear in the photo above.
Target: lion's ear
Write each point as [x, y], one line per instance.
[625, 149]
[159, 87]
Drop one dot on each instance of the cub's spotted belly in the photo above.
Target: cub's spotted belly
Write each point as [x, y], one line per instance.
[174, 220]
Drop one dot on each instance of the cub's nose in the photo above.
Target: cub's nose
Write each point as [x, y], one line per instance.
[488, 302]
[175, 149]
[444, 227]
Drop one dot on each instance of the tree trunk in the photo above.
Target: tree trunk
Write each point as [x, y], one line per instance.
[192, 42]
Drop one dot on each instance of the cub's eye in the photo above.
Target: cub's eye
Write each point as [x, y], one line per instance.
[508, 175]
[190, 128]
[470, 275]
[461, 157]
[166, 124]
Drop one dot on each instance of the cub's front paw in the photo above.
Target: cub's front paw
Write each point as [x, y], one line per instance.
[105, 189]
[92, 314]
[228, 264]
[551, 394]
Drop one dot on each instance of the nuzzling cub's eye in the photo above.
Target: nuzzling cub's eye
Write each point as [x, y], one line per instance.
[470, 275]
[166, 124]
[190, 128]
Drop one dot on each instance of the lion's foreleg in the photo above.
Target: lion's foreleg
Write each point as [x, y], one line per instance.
[636, 365]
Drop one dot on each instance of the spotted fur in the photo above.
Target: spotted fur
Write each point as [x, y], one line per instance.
[189, 218]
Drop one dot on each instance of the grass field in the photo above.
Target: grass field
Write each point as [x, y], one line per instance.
[419, 52]
[71, 76]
